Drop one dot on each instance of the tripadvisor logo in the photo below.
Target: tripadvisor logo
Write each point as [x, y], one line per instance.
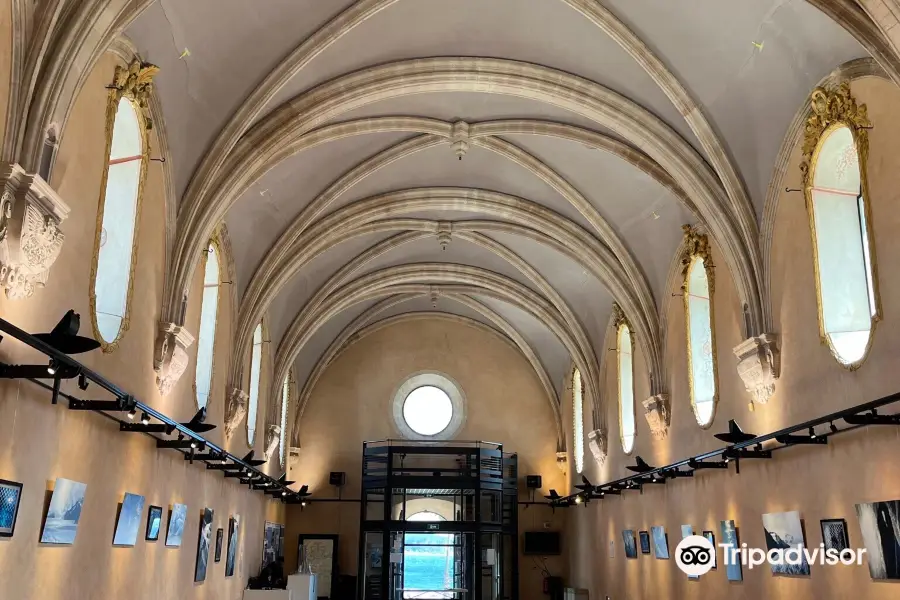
[695, 555]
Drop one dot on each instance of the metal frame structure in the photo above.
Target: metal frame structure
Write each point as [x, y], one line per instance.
[153, 423]
[467, 471]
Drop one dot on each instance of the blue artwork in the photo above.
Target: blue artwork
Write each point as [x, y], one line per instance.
[234, 526]
[686, 532]
[10, 496]
[730, 539]
[629, 543]
[64, 513]
[660, 541]
[783, 532]
[203, 545]
[154, 522]
[176, 525]
[129, 520]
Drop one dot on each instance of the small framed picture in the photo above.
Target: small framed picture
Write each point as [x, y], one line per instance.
[154, 522]
[834, 534]
[219, 535]
[709, 535]
[645, 542]
[10, 498]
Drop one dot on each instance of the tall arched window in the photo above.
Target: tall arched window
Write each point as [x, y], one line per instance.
[118, 214]
[285, 398]
[578, 420]
[698, 288]
[118, 218]
[207, 337]
[834, 172]
[625, 355]
[255, 366]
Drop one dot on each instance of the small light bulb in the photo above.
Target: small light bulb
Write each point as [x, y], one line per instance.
[577, 499]
[303, 503]
[145, 419]
[51, 367]
[131, 414]
[193, 444]
[812, 433]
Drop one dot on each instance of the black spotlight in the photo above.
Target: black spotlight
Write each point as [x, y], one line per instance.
[735, 435]
[65, 338]
[640, 466]
[145, 418]
[132, 414]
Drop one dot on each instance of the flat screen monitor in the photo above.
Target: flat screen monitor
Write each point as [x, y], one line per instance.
[542, 543]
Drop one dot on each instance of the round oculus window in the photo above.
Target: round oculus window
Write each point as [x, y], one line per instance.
[427, 410]
[429, 406]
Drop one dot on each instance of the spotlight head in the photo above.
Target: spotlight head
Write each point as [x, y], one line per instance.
[283, 494]
[812, 432]
[578, 500]
[82, 382]
[145, 418]
[132, 414]
[51, 367]
[833, 428]
[193, 445]
[303, 503]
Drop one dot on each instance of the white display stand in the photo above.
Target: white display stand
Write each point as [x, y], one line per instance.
[268, 595]
[302, 587]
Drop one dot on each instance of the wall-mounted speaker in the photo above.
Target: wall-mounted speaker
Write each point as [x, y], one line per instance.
[337, 478]
[533, 482]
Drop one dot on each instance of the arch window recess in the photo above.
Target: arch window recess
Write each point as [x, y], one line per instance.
[625, 359]
[578, 419]
[285, 398]
[207, 337]
[835, 152]
[118, 215]
[255, 367]
[429, 406]
[698, 289]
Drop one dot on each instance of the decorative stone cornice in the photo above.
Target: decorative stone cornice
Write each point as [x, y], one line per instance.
[619, 317]
[273, 436]
[30, 239]
[759, 365]
[170, 357]
[830, 106]
[696, 245]
[658, 415]
[135, 82]
[598, 443]
[235, 411]
[459, 138]
[562, 461]
[444, 233]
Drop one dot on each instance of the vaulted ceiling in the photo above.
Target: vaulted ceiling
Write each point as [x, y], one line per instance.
[604, 127]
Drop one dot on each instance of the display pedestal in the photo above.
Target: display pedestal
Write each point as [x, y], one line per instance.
[268, 595]
[302, 587]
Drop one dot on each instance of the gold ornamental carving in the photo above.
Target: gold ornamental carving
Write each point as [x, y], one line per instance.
[135, 82]
[696, 246]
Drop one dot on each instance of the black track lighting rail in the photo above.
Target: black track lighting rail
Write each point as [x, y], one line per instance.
[61, 366]
[861, 415]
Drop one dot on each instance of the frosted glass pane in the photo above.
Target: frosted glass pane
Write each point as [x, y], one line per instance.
[126, 132]
[626, 388]
[255, 363]
[837, 164]
[703, 388]
[850, 347]
[117, 241]
[842, 269]
[211, 273]
[206, 343]
[578, 416]
[285, 394]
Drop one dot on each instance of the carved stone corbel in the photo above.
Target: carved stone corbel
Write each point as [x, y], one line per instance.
[30, 239]
[597, 442]
[759, 365]
[273, 436]
[170, 357]
[562, 459]
[444, 233]
[459, 138]
[236, 410]
[658, 415]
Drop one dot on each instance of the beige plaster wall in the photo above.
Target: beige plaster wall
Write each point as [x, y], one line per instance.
[352, 403]
[820, 482]
[41, 442]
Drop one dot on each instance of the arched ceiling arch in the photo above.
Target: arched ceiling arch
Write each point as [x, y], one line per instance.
[526, 97]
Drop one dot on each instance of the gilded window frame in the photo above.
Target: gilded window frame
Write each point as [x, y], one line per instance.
[133, 83]
[577, 418]
[620, 321]
[217, 243]
[698, 248]
[832, 109]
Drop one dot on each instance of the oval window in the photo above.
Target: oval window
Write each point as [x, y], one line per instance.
[841, 240]
[578, 420]
[427, 410]
[115, 246]
[626, 387]
[701, 342]
[255, 367]
[207, 337]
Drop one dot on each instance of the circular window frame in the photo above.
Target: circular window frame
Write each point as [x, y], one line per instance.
[444, 383]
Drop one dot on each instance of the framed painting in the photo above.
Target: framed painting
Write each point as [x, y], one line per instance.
[10, 498]
[64, 513]
[129, 522]
[154, 523]
[645, 541]
[219, 535]
[629, 543]
[834, 534]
